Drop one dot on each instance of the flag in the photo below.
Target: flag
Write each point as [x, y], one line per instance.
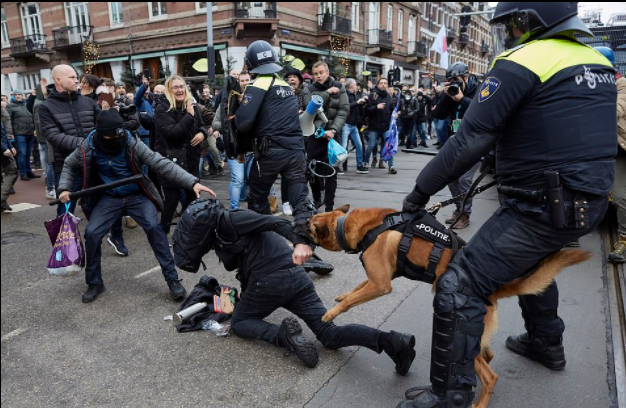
[391, 141]
[441, 46]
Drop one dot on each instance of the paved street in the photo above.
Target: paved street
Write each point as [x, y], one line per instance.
[120, 352]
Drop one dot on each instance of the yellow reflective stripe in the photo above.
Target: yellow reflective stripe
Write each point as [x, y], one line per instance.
[545, 58]
[280, 82]
[261, 82]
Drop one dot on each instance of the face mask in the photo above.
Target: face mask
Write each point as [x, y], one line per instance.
[407, 97]
[110, 147]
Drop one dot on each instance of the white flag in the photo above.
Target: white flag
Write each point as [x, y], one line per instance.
[441, 46]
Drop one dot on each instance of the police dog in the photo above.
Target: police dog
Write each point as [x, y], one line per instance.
[380, 267]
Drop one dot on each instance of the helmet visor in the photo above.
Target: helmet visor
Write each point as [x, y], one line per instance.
[501, 38]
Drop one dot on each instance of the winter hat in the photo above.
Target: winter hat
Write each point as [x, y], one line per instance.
[17, 92]
[108, 122]
[296, 72]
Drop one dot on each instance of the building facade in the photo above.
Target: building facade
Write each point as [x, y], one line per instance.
[158, 38]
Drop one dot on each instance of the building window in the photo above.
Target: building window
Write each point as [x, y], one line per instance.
[400, 24]
[201, 7]
[5, 32]
[116, 15]
[31, 21]
[355, 16]
[158, 11]
[389, 17]
[77, 17]
[329, 7]
[411, 29]
[30, 81]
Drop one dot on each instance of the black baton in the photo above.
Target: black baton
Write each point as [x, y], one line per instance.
[94, 190]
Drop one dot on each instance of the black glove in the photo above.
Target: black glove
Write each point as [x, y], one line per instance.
[411, 207]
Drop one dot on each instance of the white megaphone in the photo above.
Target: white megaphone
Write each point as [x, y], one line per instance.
[308, 116]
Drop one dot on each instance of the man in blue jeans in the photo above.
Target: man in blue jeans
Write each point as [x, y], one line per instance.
[351, 128]
[379, 109]
[107, 154]
[271, 277]
[24, 131]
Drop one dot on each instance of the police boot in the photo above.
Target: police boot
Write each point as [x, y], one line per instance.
[457, 328]
[291, 338]
[547, 351]
[400, 347]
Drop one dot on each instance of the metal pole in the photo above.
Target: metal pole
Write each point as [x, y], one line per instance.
[210, 50]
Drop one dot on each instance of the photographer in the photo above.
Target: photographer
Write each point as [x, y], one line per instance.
[180, 134]
[456, 97]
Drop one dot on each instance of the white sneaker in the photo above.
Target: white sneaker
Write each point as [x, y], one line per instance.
[51, 195]
[287, 210]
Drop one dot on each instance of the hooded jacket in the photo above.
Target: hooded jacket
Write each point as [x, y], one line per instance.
[66, 119]
[80, 163]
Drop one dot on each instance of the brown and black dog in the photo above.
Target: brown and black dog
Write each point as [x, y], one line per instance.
[380, 266]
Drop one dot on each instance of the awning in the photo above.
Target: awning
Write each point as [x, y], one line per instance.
[112, 59]
[349, 56]
[163, 53]
[303, 49]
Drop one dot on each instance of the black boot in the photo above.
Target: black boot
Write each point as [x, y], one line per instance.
[454, 398]
[401, 348]
[177, 291]
[290, 337]
[92, 293]
[547, 351]
[316, 265]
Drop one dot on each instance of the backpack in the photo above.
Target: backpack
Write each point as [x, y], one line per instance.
[196, 233]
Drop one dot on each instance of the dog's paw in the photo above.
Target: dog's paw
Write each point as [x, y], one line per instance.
[341, 297]
[328, 317]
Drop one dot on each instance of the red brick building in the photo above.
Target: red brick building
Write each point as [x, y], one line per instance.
[161, 37]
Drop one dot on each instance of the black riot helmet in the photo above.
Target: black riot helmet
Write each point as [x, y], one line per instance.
[516, 23]
[457, 69]
[261, 59]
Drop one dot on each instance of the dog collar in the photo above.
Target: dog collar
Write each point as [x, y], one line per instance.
[341, 236]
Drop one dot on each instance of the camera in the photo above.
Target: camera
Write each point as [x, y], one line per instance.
[454, 88]
[126, 111]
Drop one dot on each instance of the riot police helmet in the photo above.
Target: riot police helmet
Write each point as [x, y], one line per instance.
[261, 59]
[516, 23]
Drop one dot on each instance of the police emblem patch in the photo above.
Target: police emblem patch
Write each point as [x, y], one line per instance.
[246, 99]
[488, 88]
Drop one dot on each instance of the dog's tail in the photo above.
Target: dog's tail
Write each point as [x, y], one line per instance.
[538, 280]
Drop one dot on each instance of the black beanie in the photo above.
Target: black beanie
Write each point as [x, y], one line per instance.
[108, 122]
[293, 71]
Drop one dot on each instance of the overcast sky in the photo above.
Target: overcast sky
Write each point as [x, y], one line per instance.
[606, 7]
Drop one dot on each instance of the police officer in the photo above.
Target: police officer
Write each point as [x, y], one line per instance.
[269, 106]
[555, 168]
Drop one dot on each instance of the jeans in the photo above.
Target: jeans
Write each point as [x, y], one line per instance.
[238, 183]
[293, 290]
[422, 126]
[24, 151]
[48, 168]
[105, 213]
[441, 128]
[77, 186]
[146, 140]
[374, 137]
[353, 132]
[462, 186]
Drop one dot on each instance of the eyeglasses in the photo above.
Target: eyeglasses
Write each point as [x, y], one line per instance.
[176, 88]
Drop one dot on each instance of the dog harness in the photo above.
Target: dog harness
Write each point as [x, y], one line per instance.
[420, 224]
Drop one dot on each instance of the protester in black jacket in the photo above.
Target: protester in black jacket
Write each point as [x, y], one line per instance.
[353, 123]
[421, 117]
[379, 109]
[180, 133]
[406, 121]
[66, 118]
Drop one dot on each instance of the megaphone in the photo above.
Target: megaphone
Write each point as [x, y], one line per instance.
[308, 116]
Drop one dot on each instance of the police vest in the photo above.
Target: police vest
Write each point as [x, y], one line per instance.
[567, 122]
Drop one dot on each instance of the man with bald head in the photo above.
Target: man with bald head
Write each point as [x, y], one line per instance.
[66, 118]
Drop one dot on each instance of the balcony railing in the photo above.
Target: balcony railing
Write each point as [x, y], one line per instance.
[28, 44]
[484, 48]
[334, 24]
[417, 48]
[71, 35]
[255, 9]
[464, 39]
[381, 38]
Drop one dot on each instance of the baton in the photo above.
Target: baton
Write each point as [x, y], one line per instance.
[93, 190]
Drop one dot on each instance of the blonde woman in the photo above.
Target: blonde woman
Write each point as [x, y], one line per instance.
[180, 133]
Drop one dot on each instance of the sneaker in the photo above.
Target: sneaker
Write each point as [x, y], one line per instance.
[619, 252]
[291, 338]
[51, 195]
[177, 291]
[92, 293]
[392, 170]
[423, 144]
[547, 351]
[118, 245]
[130, 223]
[24, 177]
[6, 207]
[287, 210]
[401, 349]
[362, 170]
[317, 266]
[33, 175]
[463, 222]
[374, 162]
